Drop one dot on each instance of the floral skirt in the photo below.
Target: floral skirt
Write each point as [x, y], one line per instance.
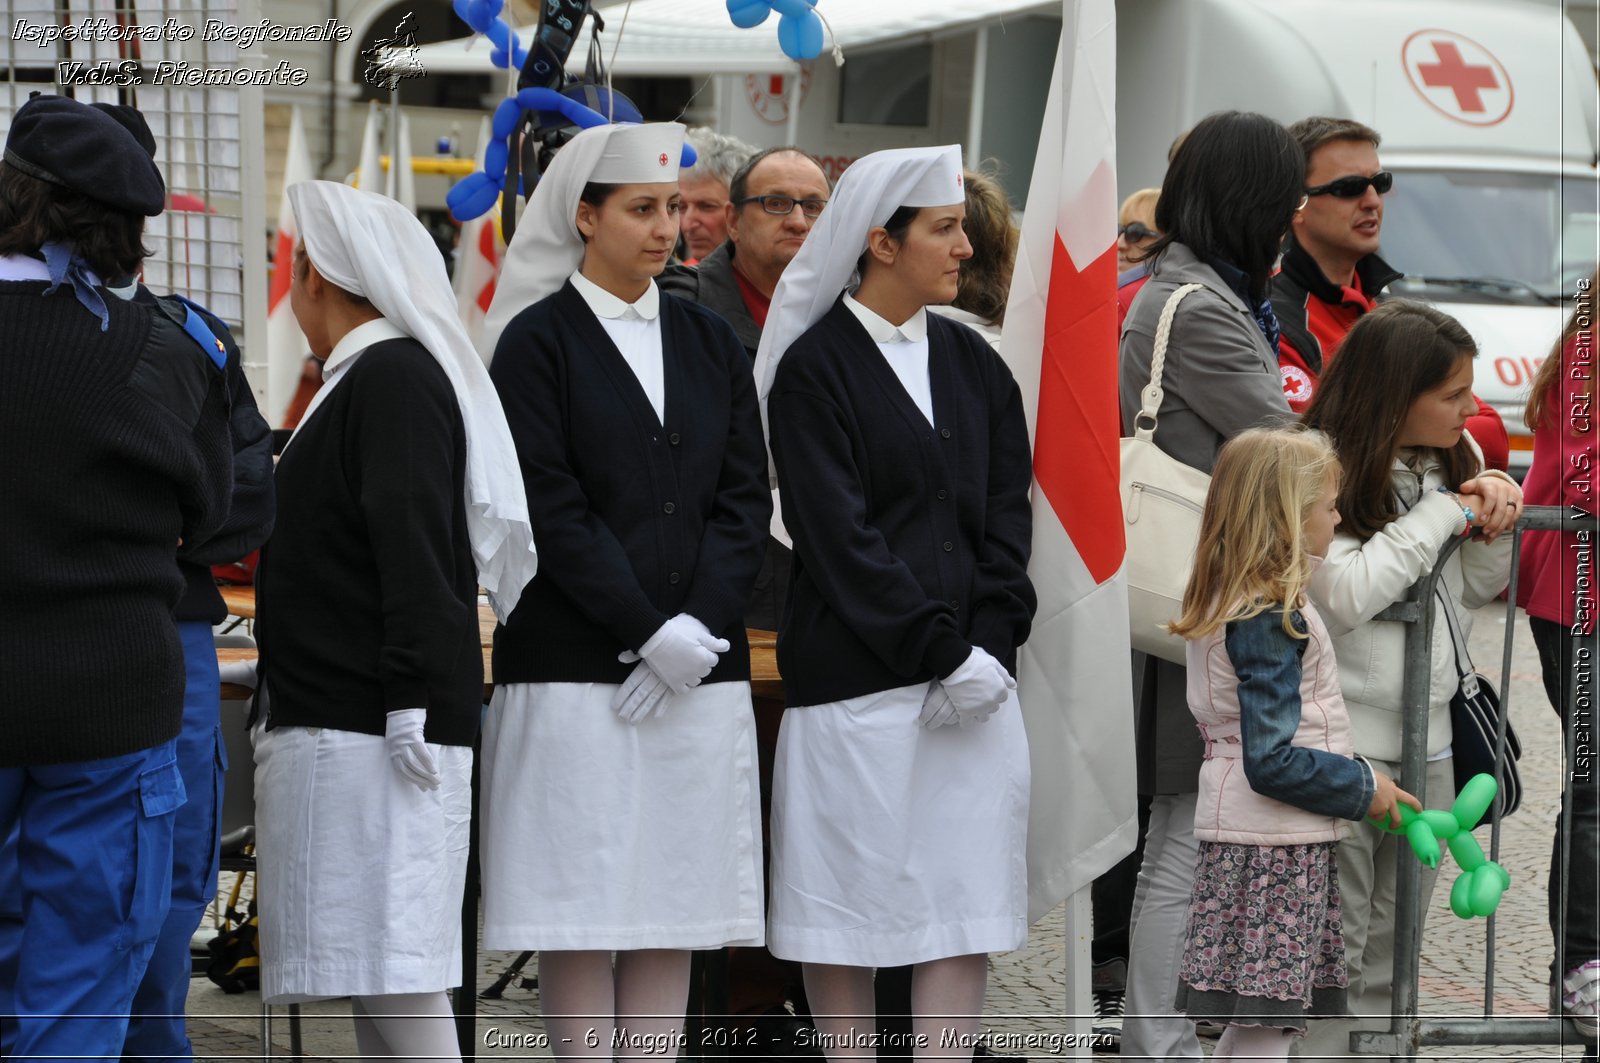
[1264, 945]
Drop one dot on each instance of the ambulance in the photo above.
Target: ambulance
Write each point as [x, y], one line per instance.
[1488, 117]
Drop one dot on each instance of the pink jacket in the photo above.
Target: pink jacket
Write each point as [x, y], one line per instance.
[1229, 810]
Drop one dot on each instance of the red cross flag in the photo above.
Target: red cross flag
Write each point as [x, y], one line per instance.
[478, 256]
[1060, 340]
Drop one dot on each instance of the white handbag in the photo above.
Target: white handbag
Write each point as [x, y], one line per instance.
[1162, 499]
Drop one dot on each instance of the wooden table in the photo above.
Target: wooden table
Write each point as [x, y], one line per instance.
[764, 679]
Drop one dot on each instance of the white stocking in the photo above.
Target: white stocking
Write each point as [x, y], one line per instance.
[652, 991]
[843, 1009]
[1253, 1042]
[406, 1027]
[947, 1006]
[578, 1002]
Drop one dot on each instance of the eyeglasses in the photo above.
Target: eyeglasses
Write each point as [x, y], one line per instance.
[784, 205]
[1135, 231]
[1354, 185]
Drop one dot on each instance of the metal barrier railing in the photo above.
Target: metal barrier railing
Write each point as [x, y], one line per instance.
[1408, 1031]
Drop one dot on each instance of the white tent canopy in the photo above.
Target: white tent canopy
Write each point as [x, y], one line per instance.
[690, 38]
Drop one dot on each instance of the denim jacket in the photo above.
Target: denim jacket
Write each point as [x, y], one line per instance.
[1278, 767]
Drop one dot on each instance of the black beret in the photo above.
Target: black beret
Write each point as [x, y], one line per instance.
[71, 144]
[131, 120]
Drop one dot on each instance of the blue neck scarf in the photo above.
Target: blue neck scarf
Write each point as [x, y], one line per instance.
[66, 267]
[1266, 320]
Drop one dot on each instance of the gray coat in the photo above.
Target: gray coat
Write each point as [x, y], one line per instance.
[1220, 378]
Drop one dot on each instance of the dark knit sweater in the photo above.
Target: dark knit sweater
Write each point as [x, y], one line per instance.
[636, 520]
[115, 447]
[367, 594]
[911, 541]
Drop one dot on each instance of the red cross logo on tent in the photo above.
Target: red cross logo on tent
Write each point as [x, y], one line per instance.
[1458, 77]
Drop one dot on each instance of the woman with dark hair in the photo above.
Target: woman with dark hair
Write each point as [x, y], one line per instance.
[900, 795]
[1228, 198]
[1395, 404]
[620, 804]
[1561, 412]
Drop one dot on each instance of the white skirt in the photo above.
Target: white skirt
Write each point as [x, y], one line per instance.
[893, 844]
[601, 834]
[360, 872]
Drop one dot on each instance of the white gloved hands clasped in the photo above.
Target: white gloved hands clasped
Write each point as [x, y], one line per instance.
[408, 750]
[682, 652]
[970, 694]
[642, 693]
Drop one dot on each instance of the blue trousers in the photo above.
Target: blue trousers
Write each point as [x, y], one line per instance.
[156, 1028]
[85, 882]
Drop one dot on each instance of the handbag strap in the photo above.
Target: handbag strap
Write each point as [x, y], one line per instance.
[1150, 398]
[1469, 675]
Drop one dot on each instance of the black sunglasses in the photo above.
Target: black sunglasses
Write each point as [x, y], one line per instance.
[1354, 185]
[1135, 231]
[784, 205]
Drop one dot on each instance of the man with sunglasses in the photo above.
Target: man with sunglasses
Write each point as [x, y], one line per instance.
[1331, 272]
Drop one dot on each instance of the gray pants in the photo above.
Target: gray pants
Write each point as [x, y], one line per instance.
[1152, 1028]
[1367, 862]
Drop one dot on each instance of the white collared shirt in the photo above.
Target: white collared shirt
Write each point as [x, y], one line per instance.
[904, 347]
[636, 330]
[343, 355]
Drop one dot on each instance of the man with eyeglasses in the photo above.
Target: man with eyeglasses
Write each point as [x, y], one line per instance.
[775, 198]
[1331, 272]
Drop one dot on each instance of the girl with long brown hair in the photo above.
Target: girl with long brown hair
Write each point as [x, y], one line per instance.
[1395, 403]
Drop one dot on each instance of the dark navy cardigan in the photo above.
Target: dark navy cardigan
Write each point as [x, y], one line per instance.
[911, 541]
[635, 520]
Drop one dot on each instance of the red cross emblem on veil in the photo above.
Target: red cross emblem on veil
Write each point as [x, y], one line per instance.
[662, 159]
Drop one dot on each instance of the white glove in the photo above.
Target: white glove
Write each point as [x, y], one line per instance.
[682, 652]
[640, 694]
[408, 750]
[937, 708]
[239, 673]
[978, 688]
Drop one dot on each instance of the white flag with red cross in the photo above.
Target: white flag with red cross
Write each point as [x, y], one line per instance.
[1060, 340]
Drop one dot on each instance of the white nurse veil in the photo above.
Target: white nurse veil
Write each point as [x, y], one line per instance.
[869, 191]
[373, 247]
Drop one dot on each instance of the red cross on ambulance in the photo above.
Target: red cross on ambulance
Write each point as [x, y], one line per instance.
[1458, 77]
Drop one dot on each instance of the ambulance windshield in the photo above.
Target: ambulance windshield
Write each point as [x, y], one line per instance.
[1479, 236]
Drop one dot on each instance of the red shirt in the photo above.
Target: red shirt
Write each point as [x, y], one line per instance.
[754, 301]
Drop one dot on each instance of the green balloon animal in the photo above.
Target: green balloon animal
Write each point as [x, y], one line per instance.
[1482, 882]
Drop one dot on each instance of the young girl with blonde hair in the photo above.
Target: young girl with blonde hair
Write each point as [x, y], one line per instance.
[1263, 948]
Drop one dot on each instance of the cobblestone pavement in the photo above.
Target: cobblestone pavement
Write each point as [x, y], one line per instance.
[1027, 988]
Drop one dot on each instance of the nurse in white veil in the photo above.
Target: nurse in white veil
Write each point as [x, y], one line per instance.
[901, 784]
[398, 496]
[619, 802]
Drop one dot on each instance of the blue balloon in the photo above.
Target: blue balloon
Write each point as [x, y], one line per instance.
[800, 38]
[495, 157]
[791, 8]
[505, 118]
[472, 196]
[748, 14]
